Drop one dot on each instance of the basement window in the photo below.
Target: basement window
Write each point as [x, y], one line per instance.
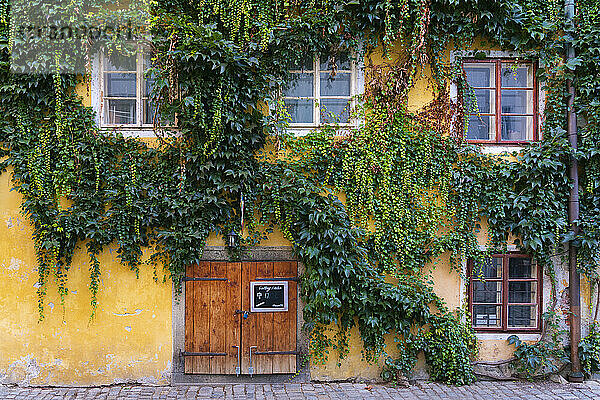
[505, 294]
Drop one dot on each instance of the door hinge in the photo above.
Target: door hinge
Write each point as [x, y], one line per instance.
[295, 279]
[188, 279]
[200, 354]
[276, 353]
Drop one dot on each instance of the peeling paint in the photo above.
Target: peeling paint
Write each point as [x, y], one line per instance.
[126, 314]
[12, 222]
[28, 371]
[15, 264]
[17, 268]
[67, 349]
[22, 371]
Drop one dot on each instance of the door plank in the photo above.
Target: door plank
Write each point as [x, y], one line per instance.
[293, 315]
[281, 335]
[285, 322]
[201, 317]
[248, 324]
[189, 321]
[264, 327]
[218, 326]
[232, 320]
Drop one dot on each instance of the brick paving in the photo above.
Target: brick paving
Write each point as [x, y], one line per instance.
[317, 391]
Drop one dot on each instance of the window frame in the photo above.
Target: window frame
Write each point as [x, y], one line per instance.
[504, 328]
[356, 89]
[139, 99]
[97, 97]
[497, 61]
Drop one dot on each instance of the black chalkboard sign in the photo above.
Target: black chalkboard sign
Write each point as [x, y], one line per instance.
[268, 296]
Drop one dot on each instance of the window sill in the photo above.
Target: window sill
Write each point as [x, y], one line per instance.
[505, 335]
[342, 129]
[498, 148]
[140, 132]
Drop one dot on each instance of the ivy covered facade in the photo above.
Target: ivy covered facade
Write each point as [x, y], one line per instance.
[306, 189]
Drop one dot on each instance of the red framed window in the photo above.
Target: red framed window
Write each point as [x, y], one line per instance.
[501, 102]
[505, 294]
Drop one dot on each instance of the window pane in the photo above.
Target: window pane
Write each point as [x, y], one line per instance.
[522, 292]
[486, 316]
[517, 101]
[490, 268]
[301, 110]
[118, 62]
[119, 85]
[521, 268]
[517, 128]
[147, 58]
[517, 75]
[119, 111]
[481, 74]
[487, 292]
[339, 60]
[300, 86]
[149, 111]
[481, 128]
[335, 111]
[522, 316]
[481, 101]
[147, 86]
[335, 85]
[147, 76]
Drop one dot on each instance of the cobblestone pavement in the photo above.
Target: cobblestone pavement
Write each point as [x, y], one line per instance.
[333, 391]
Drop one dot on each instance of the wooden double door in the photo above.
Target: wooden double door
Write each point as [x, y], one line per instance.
[223, 335]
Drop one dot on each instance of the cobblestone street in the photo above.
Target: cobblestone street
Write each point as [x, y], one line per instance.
[421, 390]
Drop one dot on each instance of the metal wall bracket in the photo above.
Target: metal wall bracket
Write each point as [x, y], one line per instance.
[251, 367]
[238, 369]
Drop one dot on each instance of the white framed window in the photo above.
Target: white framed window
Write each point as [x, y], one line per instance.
[125, 91]
[121, 92]
[323, 91]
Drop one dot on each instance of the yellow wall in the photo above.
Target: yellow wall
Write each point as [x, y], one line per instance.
[129, 339]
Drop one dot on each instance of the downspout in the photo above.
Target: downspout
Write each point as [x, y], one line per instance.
[574, 287]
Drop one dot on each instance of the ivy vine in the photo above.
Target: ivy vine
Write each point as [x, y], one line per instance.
[414, 189]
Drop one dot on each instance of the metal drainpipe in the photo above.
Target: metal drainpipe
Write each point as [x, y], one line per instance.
[574, 288]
